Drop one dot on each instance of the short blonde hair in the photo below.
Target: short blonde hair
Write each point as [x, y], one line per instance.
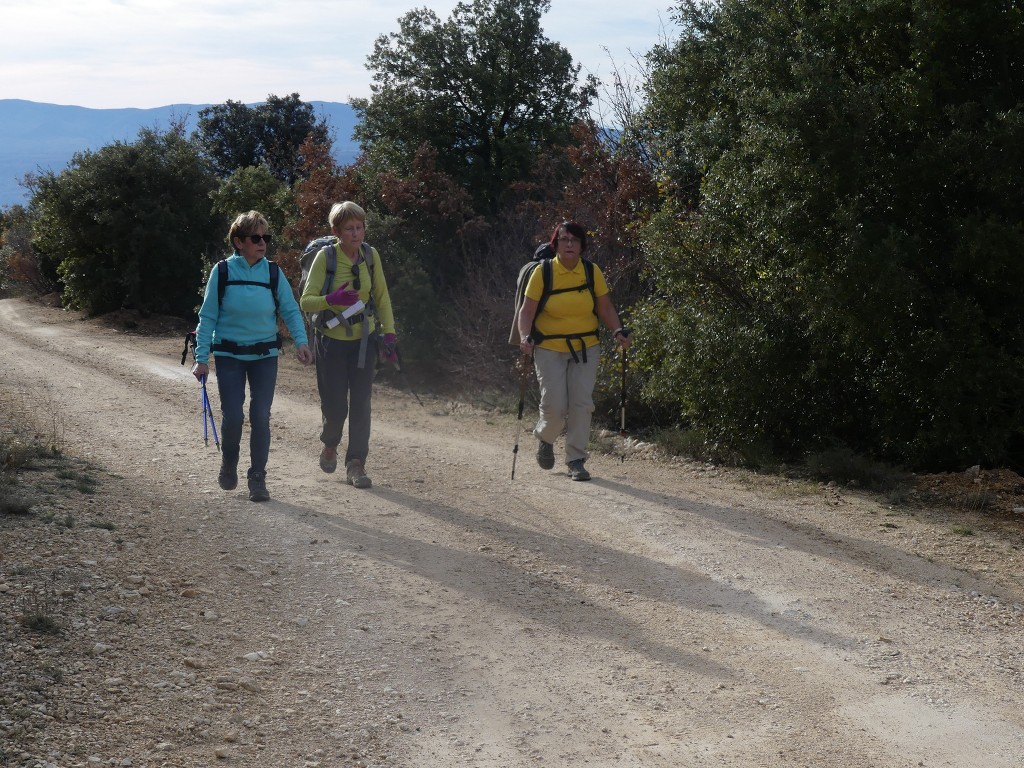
[245, 224]
[342, 212]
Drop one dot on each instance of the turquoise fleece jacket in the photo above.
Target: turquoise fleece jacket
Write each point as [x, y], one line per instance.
[247, 314]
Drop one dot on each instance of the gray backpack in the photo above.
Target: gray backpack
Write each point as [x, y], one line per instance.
[317, 320]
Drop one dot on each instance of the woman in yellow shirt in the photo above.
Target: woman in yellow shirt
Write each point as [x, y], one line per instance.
[563, 340]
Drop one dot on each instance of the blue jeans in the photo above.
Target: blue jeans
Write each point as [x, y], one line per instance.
[232, 374]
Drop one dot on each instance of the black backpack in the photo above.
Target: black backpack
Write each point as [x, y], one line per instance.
[543, 257]
[223, 282]
[222, 285]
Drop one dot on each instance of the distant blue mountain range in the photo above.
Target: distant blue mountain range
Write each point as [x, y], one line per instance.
[45, 137]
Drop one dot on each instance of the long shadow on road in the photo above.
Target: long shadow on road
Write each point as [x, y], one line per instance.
[494, 579]
[827, 545]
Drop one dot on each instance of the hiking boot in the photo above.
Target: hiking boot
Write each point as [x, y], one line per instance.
[329, 459]
[227, 478]
[577, 471]
[258, 486]
[356, 475]
[545, 455]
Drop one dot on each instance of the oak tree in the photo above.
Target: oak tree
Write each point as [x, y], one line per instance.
[485, 89]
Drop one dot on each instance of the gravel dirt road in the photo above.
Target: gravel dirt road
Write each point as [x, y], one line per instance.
[666, 613]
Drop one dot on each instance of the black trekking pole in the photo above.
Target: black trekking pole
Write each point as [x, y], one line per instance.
[622, 390]
[622, 402]
[524, 373]
[190, 343]
[401, 369]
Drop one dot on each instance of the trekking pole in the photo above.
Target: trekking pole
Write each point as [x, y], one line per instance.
[622, 401]
[208, 414]
[401, 369]
[202, 400]
[190, 343]
[524, 373]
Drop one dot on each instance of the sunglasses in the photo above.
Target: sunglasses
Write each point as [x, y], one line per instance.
[355, 276]
[254, 239]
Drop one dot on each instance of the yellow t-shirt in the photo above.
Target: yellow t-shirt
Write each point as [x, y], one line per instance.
[569, 312]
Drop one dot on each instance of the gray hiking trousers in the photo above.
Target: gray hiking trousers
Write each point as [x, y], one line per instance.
[345, 391]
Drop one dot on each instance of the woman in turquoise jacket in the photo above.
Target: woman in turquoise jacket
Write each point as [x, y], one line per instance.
[245, 294]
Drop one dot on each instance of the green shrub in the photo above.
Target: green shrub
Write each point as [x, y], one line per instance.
[845, 467]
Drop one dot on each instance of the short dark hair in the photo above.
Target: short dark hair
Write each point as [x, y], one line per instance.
[574, 229]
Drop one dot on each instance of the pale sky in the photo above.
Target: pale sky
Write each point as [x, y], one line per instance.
[152, 53]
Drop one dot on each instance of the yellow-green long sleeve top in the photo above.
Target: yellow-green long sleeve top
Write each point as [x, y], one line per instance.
[312, 300]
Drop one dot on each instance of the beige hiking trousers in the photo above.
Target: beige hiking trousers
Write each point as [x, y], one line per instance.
[566, 398]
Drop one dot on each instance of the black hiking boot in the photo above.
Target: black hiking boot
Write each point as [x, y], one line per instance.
[577, 471]
[258, 486]
[329, 459]
[227, 478]
[545, 455]
[356, 475]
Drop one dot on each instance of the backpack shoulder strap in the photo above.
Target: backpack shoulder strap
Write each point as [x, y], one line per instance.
[368, 258]
[588, 270]
[330, 268]
[275, 278]
[547, 280]
[222, 280]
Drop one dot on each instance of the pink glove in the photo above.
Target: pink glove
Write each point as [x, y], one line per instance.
[343, 297]
[390, 348]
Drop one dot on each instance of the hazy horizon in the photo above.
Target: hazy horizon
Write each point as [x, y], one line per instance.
[106, 54]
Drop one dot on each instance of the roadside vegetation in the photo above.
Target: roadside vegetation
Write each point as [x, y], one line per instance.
[809, 215]
[35, 470]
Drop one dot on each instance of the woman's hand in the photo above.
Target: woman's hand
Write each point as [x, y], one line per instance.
[305, 354]
[622, 337]
[390, 348]
[200, 370]
[526, 345]
[342, 297]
